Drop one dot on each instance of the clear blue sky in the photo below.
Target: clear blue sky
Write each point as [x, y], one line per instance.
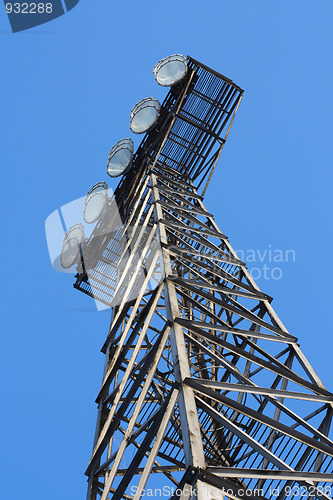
[66, 92]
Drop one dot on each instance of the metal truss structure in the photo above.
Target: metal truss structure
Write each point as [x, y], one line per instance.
[203, 385]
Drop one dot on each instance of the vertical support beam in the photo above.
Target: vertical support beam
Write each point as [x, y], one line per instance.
[299, 354]
[191, 434]
[160, 434]
[135, 414]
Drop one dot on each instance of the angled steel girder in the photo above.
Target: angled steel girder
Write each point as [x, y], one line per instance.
[203, 384]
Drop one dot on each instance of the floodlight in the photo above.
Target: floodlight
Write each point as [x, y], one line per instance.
[170, 70]
[71, 246]
[120, 157]
[144, 115]
[95, 202]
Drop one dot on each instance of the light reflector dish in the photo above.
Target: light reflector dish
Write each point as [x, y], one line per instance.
[95, 202]
[144, 115]
[70, 252]
[170, 70]
[120, 157]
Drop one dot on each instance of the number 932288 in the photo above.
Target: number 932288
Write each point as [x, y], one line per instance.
[29, 8]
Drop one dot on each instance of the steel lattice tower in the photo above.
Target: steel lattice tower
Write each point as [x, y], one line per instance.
[203, 384]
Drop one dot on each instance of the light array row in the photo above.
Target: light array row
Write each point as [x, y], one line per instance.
[168, 72]
[144, 115]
